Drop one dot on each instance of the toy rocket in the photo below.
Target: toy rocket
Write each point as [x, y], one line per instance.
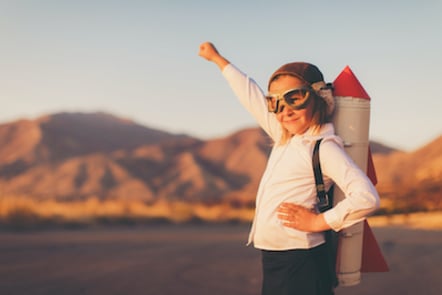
[358, 250]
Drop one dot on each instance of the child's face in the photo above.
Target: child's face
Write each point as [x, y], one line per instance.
[295, 121]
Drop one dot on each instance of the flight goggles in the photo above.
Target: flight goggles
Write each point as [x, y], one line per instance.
[296, 98]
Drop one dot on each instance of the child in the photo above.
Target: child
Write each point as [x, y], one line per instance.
[287, 226]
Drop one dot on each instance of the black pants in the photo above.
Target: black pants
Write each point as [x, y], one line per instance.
[292, 272]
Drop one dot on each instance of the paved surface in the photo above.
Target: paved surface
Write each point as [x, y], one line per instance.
[197, 260]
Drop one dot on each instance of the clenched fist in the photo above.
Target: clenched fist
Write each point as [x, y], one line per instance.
[209, 52]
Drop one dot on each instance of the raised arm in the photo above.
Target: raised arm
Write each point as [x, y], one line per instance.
[209, 52]
[245, 88]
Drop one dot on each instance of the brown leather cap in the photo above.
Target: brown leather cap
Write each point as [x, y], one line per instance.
[307, 72]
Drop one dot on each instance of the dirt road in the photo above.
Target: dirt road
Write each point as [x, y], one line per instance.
[197, 260]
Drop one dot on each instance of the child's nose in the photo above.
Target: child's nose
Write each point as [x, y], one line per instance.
[284, 108]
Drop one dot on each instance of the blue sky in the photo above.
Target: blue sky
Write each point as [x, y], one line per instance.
[139, 59]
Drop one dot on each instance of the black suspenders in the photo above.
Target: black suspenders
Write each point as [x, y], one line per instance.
[325, 200]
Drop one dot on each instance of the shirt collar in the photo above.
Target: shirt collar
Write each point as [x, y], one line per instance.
[310, 135]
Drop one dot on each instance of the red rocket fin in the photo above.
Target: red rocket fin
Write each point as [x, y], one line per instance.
[371, 172]
[372, 258]
[346, 84]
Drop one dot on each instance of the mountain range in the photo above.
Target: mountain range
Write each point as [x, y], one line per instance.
[77, 156]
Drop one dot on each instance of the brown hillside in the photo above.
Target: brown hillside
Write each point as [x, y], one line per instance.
[243, 156]
[81, 156]
[18, 140]
[25, 143]
[411, 169]
[379, 148]
[93, 176]
[73, 134]
[412, 179]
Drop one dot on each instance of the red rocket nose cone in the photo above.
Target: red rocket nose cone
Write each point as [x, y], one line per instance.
[346, 84]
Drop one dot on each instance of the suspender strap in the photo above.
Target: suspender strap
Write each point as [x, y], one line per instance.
[323, 200]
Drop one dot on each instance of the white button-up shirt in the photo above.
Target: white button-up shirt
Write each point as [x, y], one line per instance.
[288, 176]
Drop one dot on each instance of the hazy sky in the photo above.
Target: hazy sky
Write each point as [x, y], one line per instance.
[139, 59]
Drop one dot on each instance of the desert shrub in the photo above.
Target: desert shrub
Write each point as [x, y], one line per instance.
[21, 218]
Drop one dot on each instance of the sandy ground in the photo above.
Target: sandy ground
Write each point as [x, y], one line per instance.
[197, 260]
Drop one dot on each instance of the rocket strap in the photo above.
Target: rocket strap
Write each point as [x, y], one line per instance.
[325, 201]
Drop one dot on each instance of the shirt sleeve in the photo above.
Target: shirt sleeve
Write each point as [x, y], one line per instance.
[253, 99]
[360, 196]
